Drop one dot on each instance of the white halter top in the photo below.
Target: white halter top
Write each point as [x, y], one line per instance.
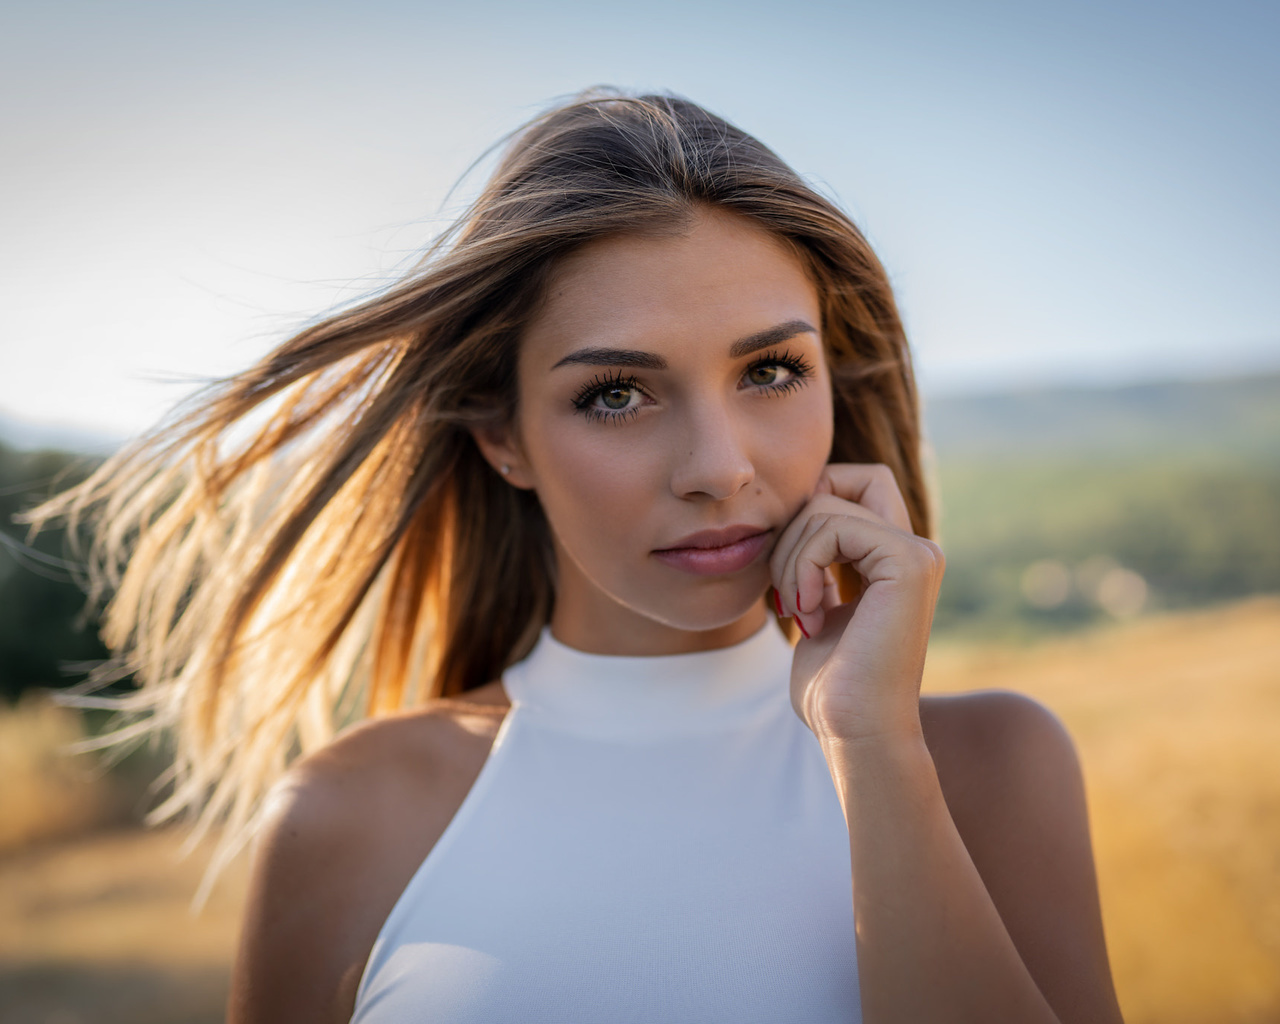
[652, 839]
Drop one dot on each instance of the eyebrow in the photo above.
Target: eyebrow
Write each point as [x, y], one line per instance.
[652, 361]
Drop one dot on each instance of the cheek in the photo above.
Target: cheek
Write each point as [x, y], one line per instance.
[592, 481]
[796, 442]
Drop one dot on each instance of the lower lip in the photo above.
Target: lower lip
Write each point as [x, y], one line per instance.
[715, 561]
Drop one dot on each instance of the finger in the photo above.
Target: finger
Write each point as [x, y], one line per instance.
[788, 539]
[785, 580]
[810, 520]
[876, 550]
[830, 590]
[799, 530]
[871, 485]
[879, 553]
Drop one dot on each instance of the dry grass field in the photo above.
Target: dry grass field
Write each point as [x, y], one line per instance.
[1177, 720]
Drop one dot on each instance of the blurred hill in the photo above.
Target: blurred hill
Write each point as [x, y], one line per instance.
[1060, 508]
[1235, 420]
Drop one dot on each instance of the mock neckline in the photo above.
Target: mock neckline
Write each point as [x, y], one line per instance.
[611, 696]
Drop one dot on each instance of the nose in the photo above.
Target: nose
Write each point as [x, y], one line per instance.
[711, 460]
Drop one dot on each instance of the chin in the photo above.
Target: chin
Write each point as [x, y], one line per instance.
[703, 609]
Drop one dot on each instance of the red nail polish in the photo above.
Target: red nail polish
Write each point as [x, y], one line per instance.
[777, 603]
[802, 629]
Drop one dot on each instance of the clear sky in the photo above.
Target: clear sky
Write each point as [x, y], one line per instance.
[1079, 191]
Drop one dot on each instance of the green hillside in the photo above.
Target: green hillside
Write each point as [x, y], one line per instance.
[1235, 420]
[1060, 508]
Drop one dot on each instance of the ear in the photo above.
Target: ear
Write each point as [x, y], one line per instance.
[501, 449]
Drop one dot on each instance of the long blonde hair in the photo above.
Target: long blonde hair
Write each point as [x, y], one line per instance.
[318, 538]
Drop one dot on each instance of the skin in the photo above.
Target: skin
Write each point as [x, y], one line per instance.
[975, 894]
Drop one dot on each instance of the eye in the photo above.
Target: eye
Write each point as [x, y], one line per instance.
[767, 373]
[616, 397]
[777, 373]
[610, 398]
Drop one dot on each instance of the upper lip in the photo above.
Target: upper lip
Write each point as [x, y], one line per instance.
[716, 538]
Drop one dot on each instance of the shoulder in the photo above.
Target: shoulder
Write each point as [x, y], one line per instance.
[1010, 775]
[994, 737]
[371, 764]
[343, 832]
[1013, 785]
[366, 775]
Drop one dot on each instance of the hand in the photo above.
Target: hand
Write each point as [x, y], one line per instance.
[857, 675]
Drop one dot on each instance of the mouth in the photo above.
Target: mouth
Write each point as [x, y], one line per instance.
[706, 539]
[716, 552]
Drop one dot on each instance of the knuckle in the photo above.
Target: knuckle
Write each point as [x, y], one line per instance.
[927, 556]
[937, 561]
[828, 504]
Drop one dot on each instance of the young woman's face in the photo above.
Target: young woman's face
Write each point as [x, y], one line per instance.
[674, 414]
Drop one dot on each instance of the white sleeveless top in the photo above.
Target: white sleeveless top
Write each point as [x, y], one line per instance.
[652, 839]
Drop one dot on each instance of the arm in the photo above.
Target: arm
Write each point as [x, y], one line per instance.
[981, 905]
[933, 945]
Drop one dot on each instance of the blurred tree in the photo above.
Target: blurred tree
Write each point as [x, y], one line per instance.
[43, 627]
[1196, 533]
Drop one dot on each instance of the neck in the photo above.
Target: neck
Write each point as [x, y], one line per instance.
[639, 698]
[599, 629]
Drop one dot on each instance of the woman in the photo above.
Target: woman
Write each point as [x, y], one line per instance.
[540, 510]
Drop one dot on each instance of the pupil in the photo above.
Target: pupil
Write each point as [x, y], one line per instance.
[617, 398]
[764, 374]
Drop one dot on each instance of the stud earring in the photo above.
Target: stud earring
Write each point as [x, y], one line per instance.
[505, 469]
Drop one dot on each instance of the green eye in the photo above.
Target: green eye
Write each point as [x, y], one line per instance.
[611, 399]
[616, 398]
[765, 373]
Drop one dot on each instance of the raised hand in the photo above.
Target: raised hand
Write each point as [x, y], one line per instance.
[857, 674]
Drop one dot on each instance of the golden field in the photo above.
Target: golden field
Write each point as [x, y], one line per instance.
[1177, 719]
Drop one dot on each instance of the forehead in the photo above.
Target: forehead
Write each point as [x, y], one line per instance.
[719, 276]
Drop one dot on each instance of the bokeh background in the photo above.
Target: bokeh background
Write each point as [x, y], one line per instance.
[1076, 203]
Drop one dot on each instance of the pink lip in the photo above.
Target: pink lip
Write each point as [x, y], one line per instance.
[714, 552]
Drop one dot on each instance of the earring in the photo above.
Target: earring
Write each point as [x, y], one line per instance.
[505, 469]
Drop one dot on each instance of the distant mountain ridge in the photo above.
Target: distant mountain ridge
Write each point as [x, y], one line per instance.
[32, 435]
[1235, 419]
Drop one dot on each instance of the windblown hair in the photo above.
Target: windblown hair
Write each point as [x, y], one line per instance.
[319, 539]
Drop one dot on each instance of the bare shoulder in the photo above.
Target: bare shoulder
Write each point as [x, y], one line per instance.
[991, 737]
[375, 764]
[369, 775]
[344, 832]
[1012, 782]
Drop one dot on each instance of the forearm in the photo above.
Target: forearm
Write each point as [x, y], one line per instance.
[931, 945]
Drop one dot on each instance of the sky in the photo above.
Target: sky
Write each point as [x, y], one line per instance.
[1062, 193]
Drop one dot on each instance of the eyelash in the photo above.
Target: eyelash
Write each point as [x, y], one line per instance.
[800, 369]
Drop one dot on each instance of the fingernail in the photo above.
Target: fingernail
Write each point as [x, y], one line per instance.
[802, 629]
[777, 603]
